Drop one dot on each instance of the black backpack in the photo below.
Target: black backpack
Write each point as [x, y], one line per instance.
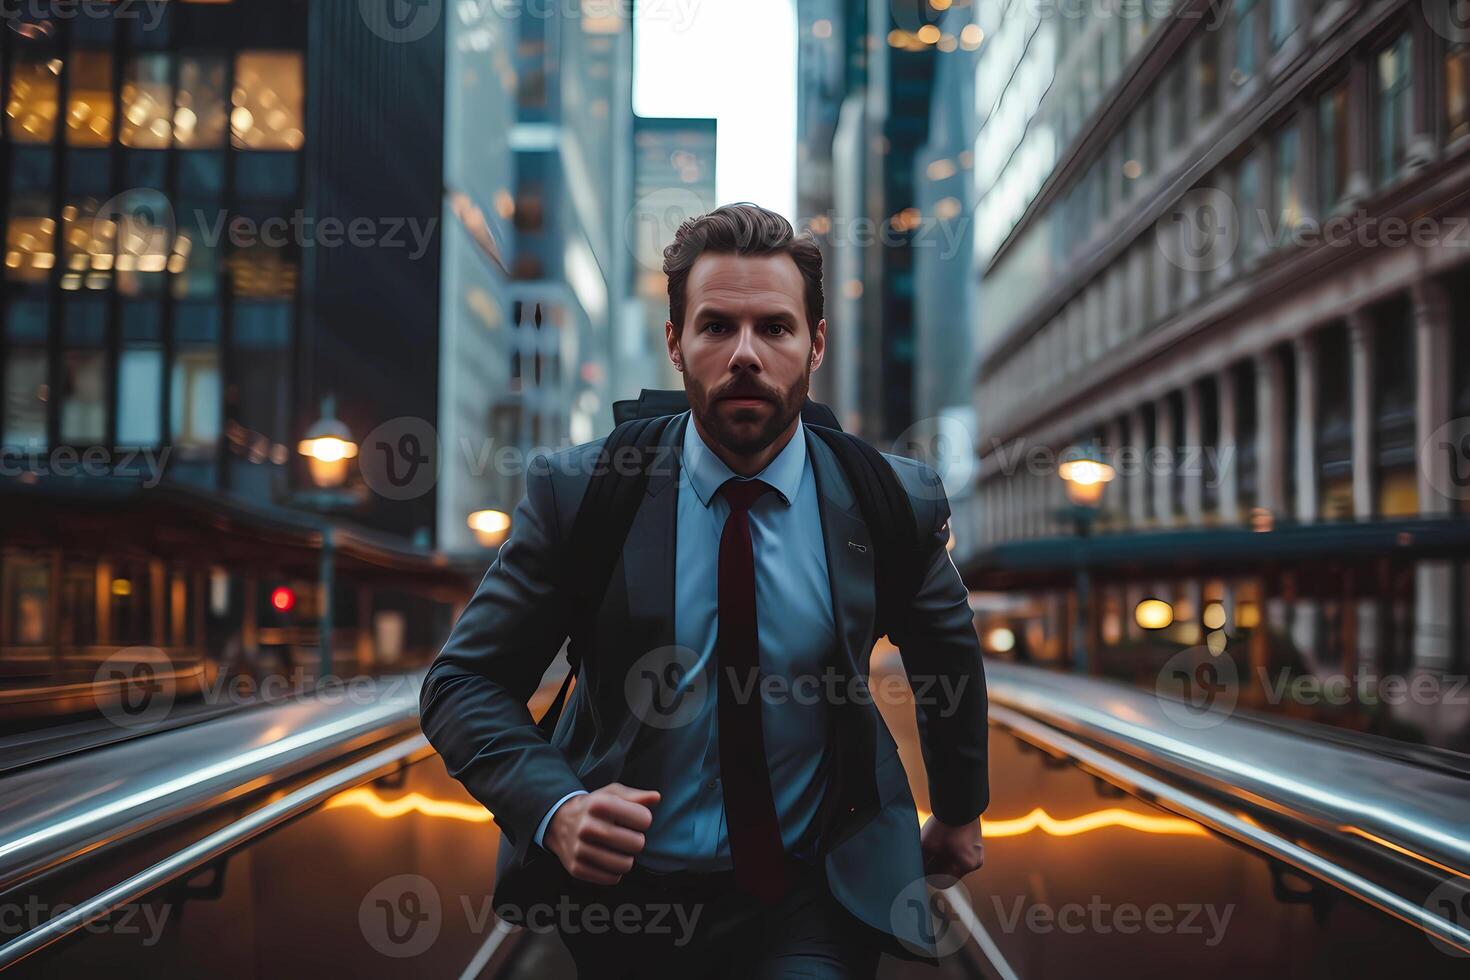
[614, 494]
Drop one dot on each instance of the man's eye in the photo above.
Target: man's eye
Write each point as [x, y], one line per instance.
[779, 326]
[713, 325]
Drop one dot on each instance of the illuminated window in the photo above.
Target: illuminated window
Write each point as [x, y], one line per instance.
[267, 111]
[1287, 200]
[27, 596]
[195, 399]
[1395, 105]
[199, 108]
[89, 99]
[31, 111]
[30, 240]
[263, 272]
[146, 97]
[139, 390]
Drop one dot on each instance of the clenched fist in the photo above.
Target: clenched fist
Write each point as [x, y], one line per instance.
[596, 835]
[950, 850]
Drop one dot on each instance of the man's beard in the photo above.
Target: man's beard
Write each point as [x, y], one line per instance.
[742, 439]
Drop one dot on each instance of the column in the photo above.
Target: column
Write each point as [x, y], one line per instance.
[1306, 427]
[1360, 343]
[1270, 432]
[1138, 461]
[1114, 503]
[1163, 475]
[1194, 456]
[1226, 470]
[1433, 581]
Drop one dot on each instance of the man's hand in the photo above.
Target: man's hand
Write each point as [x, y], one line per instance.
[948, 850]
[597, 834]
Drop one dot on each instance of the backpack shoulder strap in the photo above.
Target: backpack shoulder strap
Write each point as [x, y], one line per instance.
[889, 513]
[614, 492]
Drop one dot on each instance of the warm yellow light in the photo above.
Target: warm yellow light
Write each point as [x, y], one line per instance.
[1039, 819]
[971, 37]
[928, 33]
[328, 449]
[1000, 640]
[1215, 642]
[490, 526]
[1214, 616]
[1247, 615]
[1085, 479]
[415, 802]
[1153, 614]
[122, 587]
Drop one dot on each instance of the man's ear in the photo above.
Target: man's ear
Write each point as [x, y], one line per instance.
[671, 340]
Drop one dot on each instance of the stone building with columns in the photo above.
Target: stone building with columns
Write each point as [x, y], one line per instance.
[1243, 275]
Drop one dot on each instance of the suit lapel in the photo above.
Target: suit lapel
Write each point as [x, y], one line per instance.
[849, 549]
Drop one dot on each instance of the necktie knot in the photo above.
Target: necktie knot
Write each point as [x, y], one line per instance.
[742, 493]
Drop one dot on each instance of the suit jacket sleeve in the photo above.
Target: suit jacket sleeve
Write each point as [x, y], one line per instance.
[473, 702]
[941, 655]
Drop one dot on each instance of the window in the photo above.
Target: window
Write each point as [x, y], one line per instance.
[31, 111]
[199, 108]
[139, 385]
[1333, 158]
[89, 100]
[267, 112]
[1285, 196]
[28, 596]
[1394, 106]
[1248, 204]
[1207, 73]
[1283, 22]
[1245, 41]
[195, 399]
[83, 398]
[25, 398]
[30, 240]
[146, 97]
[1456, 80]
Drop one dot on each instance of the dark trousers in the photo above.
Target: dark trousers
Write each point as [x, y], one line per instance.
[689, 925]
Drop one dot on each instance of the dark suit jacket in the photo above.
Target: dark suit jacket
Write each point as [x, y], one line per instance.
[473, 701]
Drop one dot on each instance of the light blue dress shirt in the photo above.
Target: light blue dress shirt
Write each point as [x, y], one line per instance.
[798, 645]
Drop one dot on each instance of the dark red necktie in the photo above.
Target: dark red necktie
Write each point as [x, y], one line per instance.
[750, 810]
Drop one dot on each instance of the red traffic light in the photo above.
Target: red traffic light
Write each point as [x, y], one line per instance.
[283, 599]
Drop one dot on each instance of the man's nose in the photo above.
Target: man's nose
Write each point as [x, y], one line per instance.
[746, 354]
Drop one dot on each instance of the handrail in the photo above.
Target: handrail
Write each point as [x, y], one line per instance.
[54, 813]
[1401, 814]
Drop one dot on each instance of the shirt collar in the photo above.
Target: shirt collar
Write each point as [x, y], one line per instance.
[707, 472]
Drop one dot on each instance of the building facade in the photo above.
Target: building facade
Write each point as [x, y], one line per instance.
[1225, 245]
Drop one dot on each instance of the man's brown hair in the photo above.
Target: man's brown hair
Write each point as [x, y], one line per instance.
[741, 229]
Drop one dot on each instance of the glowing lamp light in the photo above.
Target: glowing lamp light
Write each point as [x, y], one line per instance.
[1000, 640]
[1214, 617]
[283, 599]
[490, 526]
[1153, 614]
[327, 447]
[1085, 476]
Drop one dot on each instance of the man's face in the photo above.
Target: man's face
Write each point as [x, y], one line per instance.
[746, 349]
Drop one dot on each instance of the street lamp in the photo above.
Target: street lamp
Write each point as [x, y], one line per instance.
[490, 526]
[327, 447]
[1086, 474]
